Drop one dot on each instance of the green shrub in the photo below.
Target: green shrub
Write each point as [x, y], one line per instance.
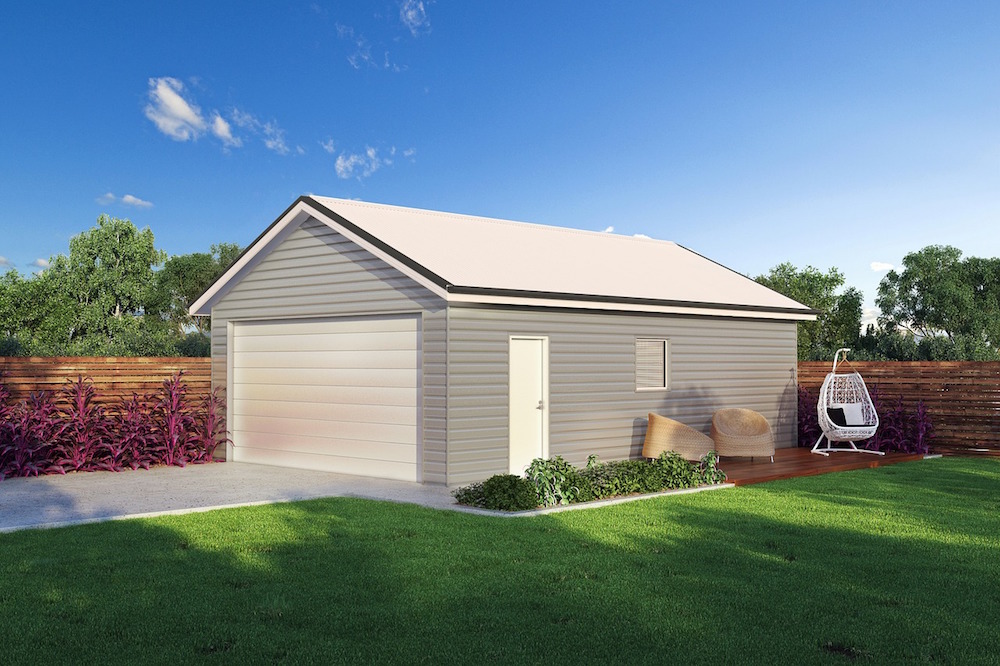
[470, 495]
[677, 472]
[709, 469]
[556, 481]
[507, 492]
[629, 477]
[501, 492]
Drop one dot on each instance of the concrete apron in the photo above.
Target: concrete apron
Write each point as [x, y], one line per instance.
[87, 497]
[92, 497]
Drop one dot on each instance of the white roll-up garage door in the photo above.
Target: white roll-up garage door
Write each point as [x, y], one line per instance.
[338, 395]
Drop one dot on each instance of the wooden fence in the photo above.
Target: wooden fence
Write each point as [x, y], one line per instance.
[113, 377]
[962, 397]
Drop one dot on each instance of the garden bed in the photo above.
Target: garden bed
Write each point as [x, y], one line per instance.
[555, 482]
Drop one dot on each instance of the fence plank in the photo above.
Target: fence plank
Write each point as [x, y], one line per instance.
[962, 397]
[113, 377]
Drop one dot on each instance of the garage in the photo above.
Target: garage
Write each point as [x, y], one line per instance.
[336, 395]
[414, 344]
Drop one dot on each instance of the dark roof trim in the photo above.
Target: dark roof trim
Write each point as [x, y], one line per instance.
[515, 293]
[388, 249]
[247, 249]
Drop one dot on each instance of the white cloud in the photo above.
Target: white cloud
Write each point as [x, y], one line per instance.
[409, 152]
[359, 165]
[880, 266]
[362, 55]
[609, 230]
[327, 146]
[273, 136]
[868, 316]
[223, 131]
[274, 139]
[5, 262]
[130, 200]
[175, 116]
[40, 264]
[300, 150]
[640, 236]
[413, 15]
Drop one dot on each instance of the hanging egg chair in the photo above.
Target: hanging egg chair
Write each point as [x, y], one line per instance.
[845, 410]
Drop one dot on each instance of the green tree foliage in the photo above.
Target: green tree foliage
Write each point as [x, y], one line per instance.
[107, 298]
[951, 305]
[839, 321]
[108, 278]
[184, 278]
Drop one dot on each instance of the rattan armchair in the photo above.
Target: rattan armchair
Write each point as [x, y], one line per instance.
[664, 435]
[742, 432]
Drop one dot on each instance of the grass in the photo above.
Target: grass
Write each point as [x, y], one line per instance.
[898, 564]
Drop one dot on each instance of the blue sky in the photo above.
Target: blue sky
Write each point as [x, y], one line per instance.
[823, 133]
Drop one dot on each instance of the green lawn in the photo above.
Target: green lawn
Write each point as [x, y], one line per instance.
[896, 564]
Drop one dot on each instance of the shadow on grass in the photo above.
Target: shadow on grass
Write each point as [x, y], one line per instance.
[762, 574]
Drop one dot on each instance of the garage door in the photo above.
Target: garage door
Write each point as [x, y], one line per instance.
[337, 395]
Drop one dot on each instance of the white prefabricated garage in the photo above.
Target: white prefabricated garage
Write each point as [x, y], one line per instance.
[411, 344]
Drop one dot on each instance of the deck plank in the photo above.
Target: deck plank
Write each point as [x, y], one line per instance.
[792, 463]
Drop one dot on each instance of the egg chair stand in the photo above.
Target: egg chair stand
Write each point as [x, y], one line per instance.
[845, 411]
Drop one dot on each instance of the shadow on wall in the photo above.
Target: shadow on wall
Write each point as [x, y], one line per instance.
[693, 407]
[787, 427]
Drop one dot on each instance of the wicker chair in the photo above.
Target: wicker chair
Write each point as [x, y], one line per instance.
[742, 432]
[663, 434]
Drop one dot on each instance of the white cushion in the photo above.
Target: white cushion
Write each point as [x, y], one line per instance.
[854, 413]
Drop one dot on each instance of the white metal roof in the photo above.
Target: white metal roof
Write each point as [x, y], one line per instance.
[484, 260]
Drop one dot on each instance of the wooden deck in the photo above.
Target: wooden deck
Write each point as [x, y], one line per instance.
[790, 463]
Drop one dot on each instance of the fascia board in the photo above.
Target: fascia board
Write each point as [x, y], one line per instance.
[486, 299]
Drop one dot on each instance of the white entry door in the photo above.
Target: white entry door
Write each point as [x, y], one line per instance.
[529, 401]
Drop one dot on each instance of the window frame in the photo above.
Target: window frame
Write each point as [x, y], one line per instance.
[665, 342]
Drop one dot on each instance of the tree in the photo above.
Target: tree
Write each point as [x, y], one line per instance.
[106, 297]
[940, 295]
[183, 279]
[107, 275]
[839, 321]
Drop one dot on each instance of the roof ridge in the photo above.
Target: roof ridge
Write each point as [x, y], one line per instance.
[493, 220]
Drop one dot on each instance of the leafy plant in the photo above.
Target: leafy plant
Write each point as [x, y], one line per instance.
[470, 495]
[507, 492]
[133, 441]
[921, 429]
[676, 472]
[709, 469]
[39, 437]
[85, 431]
[210, 430]
[174, 423]
[25, 437]
[500, 492]
[809, 430]
[554, 480]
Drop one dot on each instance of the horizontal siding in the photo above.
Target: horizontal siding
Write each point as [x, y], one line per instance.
[316, 272]
[594, 405]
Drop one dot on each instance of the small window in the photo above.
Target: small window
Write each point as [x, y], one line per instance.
[650, 364]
